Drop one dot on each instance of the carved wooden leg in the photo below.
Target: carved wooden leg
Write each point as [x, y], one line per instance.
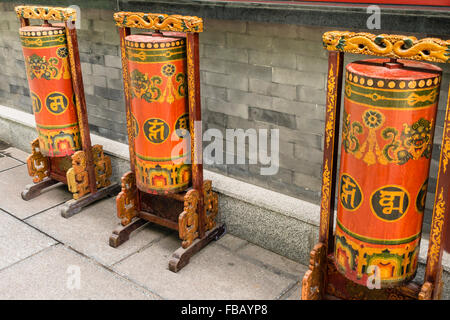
[33, 190]
[126, 200]
[77, 176]
[188, 219]
[73, 206]
[426, 291]
[313, 286]
[122, 233]
[181, 256]
[126, 210]
[211, 204]
[37, 163]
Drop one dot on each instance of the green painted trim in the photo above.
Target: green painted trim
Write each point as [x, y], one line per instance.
[358, 95]
[160, 159]
[50, 41]
[57, 127]
[156, 55]
[377, 241]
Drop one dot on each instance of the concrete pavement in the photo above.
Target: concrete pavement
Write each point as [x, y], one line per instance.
[44, 256]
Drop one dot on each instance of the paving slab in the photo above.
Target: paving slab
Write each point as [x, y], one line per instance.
[213, 273]
[7, 162]
[53, 274]
[18, 240]
[88, 231]
[13, 182]
[294, 293]
[231, 242]
[15, 154]
[272, 261]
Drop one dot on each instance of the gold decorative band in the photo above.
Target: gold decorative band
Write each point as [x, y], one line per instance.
[393, 84]
[391, 46]
[156, 45]
[155, 21]
[41, 33]
[391, 94]
[46, 13]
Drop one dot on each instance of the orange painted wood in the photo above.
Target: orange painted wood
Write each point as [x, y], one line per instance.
[159, 111]
[49, 76]
[387, 138]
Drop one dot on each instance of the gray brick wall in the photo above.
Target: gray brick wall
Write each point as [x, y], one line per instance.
[254, 75]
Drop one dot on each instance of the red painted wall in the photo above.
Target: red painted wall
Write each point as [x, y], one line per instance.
[442, 3]
[407, 2]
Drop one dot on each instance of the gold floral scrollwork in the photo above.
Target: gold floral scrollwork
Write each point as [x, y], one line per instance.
[446, 147]
[46, 13]
[77, 176]
[157, 21]
[312, 283]
[102, 165]
[331, 105]
[324, 205]
[392, 46]
[37, 163]
[188, 219]
[126, 199]
[412, 142]
[211, 203]
[436, 230]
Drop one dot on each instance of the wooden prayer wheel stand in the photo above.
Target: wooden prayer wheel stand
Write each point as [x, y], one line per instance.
[191, 212]
[84, 169]
[323, 280]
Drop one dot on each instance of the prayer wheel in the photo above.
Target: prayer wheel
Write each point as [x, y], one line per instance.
[159, 111]
[387, 137]
[53, 100]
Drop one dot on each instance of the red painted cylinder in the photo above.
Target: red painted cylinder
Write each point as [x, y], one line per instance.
[387, 138]
[53, 100]
[160, 114]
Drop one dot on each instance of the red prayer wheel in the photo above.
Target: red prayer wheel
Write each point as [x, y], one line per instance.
[159, 111]
[387, 137]
[53, 100]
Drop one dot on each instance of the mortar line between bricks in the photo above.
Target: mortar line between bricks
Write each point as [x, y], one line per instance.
[32, 255]
[30, 225]
[113, 271]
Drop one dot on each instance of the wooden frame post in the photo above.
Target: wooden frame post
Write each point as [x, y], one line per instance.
[331, 139]
[78, 88]
[195, 112]
[441, 213]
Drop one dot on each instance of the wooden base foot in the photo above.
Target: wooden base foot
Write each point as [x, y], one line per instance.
[181, 257]
[122, 233]
[73, 206]
[35, 189]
